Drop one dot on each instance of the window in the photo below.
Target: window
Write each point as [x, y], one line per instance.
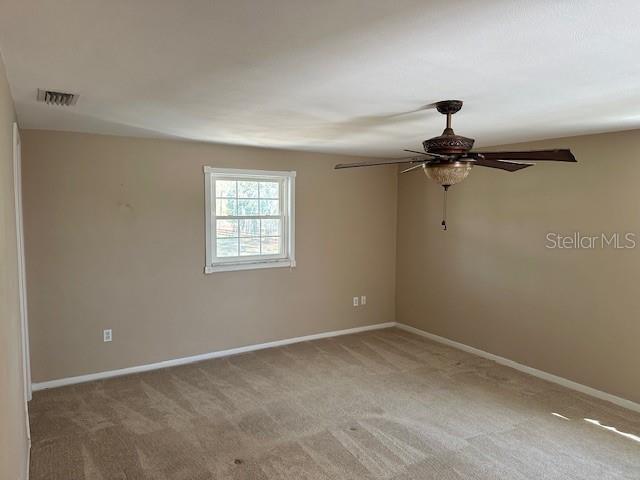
[249, 219]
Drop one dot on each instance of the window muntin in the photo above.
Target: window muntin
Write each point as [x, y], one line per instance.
[250, 219]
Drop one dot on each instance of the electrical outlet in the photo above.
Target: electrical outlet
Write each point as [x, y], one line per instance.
[355, 301]
[363, 300]
[107, 335]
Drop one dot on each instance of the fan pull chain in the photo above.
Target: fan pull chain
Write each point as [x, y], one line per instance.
[444, 207]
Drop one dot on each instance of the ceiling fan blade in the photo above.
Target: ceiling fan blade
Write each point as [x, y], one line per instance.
[416, 110]
[434, 155]
[372, 163]
[420, 165]
[561, 155]
[502, 165]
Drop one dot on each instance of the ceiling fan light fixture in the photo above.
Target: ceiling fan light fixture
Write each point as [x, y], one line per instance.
[447, 174]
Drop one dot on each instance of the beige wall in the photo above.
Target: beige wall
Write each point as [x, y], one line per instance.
[114, 231]
[13, 430]
[489, 281]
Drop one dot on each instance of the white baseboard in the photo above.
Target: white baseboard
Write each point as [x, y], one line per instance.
[250, 348]
[198, 358]
[28, 459]
[622, 402]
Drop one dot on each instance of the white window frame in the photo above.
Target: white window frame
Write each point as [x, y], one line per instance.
[287, 207]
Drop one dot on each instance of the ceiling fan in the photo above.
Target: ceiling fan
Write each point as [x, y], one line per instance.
[447, 159]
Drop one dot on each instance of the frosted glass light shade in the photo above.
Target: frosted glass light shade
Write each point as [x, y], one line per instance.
[448, 173]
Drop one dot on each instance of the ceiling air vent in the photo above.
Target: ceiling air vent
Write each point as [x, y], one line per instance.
[57, 98]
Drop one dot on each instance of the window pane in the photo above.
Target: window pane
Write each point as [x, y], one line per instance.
[227, 247]
[226, 228]
[250, 246]
[250, 227]
[270, 245]
[269, 207]
[225, 188]
[247, 189]
[269, 190]
[247, 207]
[225, 207]
[270, 227]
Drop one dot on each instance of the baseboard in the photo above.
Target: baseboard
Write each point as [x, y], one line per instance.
[436, 338]
[28, 459]
[198, 358]
[28, 427]
[622, 402]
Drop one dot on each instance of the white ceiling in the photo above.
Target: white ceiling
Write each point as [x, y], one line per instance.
[326, 75]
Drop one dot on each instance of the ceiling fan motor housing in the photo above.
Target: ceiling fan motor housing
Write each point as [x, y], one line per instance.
[448, 144]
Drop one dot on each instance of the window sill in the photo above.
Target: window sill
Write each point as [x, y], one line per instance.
[232, 267]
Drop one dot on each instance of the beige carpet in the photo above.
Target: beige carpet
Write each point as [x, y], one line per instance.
[378, 405]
